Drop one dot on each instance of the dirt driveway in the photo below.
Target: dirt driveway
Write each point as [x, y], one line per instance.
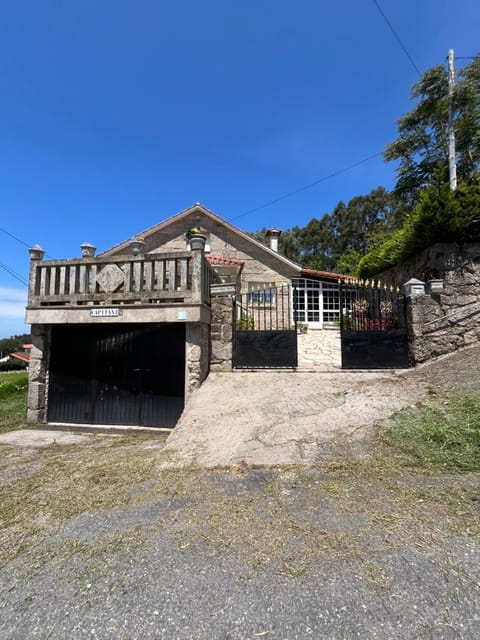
[284, 417]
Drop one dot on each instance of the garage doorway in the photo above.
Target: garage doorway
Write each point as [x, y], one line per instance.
[126, 374]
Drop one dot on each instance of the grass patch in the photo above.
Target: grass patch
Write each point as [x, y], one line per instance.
[288, 522]
[441, 437]
[66, 481]
[13, 400]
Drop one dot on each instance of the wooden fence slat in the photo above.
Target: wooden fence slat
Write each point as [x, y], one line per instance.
[183, 275]
[92, 279]
[73, 279]
[127, 269]
[81, 279]
[61, 284]
[53, 280]
[43, 281]
[137, 277]
[172, 269]
[147, 284]
[159, 276]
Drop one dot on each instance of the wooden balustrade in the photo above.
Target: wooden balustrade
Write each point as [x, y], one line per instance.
[151, 279]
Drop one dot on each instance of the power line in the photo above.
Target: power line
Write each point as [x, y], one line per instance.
[22, 242]
[397, 37]
[14, 274]
[307, 186]
[15, 237]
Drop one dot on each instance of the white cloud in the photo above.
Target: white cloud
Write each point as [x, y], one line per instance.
[10, 294]
[12, 309]
[12, 302]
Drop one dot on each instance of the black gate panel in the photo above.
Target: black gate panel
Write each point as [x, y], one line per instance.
[117, 374]
[265, 334]
[72, 362]
[265, 349]
[375, 349]
[373, 327]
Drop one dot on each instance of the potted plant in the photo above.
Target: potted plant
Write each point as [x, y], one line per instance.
[196, 238]
[137, 245]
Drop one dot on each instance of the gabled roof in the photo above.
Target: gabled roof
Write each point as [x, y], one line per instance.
[200, 209]
[217, 260]
[322, 275]
[24, 357]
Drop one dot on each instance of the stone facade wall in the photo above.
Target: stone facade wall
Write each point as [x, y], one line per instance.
[447, 321]
[260, 266]
[38, 374]
[196, 356]
[221, 333]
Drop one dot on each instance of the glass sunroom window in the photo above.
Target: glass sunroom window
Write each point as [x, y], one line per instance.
[317, 303]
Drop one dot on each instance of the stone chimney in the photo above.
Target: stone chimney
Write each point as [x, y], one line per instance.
[273, 234]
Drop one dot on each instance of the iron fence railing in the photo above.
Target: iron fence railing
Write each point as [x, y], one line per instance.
[367, 307]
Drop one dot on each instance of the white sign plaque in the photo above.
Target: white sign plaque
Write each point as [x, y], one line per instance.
[104, 312]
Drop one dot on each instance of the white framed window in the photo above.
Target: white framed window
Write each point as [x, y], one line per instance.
[261, 294]
[317, 303]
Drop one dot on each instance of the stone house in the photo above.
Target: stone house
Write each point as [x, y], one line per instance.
[122, 338]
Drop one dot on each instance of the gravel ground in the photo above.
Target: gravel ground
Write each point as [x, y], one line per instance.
[242, 553]
[179, 569]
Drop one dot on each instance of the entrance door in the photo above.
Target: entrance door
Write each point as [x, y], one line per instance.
[117, 374]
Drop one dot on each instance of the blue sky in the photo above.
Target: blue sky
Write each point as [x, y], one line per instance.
[116, 115]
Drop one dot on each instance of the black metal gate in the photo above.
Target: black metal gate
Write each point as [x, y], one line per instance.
[117, 374]
[373, 323]
[265, 334]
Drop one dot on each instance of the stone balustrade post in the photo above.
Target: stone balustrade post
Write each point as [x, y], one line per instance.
[197, 245]
[36, 254]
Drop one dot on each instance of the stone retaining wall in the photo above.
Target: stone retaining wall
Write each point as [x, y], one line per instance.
[221, 333]
[440, 323]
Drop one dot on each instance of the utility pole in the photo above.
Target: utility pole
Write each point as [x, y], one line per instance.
[452, 165]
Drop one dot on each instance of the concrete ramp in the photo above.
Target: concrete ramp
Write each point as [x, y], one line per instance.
[284, 417]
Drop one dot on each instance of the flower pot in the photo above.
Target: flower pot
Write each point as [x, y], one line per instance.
[88, 250]
[197, 242]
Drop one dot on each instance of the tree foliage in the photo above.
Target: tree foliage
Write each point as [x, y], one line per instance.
[422, 143]
[441, 215]
[336, 241]
[14, 343]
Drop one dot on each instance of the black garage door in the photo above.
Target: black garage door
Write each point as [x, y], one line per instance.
[117, 374]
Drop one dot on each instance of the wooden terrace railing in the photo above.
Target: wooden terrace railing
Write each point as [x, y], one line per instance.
[180, 277]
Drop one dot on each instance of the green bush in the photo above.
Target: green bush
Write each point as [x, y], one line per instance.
[441, 215]
[245, 323]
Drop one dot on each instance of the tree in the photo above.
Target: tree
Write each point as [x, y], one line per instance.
[14, 343]
[337, 241]
[441, 215]
[422, 143]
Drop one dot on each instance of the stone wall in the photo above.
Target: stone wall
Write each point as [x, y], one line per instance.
[447, 321]
[260, 265]
[221, 333]
[196, 356]
[38, 374]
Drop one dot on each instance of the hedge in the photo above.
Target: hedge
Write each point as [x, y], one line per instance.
[441, 215]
